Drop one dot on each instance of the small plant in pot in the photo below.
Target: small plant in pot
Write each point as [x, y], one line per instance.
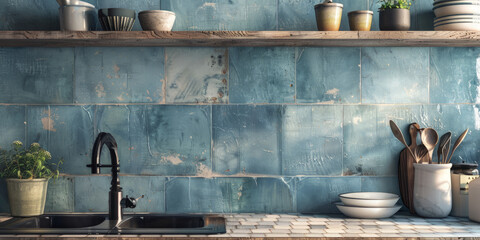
[27, 172]
[395, 15]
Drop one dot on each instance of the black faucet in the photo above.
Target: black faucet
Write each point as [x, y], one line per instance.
[115, 201]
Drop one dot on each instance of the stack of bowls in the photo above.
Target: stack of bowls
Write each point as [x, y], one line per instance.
[116, 19]
[456, 15]
[368, 204]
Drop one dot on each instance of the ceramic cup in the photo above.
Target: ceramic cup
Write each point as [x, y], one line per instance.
[329, 16]
[360, 20]
[432, 190]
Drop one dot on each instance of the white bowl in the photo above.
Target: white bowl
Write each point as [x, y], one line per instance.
[156, 20]
[368, 212]
[456, 8]
[458, 26]
[369, 199]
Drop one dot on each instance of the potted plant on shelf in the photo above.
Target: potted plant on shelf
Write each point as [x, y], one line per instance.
[27, 172]
[395, 14]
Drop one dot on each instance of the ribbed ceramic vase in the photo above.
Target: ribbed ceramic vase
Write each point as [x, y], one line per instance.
[27, 196]
[432, 190]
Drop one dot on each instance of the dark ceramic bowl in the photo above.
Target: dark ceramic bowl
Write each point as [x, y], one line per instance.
[116, 19]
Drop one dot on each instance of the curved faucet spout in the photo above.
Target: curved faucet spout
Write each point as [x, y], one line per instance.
[115, 194]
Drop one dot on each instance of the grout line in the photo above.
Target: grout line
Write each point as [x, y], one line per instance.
[277, 15]
[25, 122]
[74, 76]
[238, 104]
[227, 176]
[361, 68]
[211, 139]
[343, 141]
[164, 88]
[428, 74]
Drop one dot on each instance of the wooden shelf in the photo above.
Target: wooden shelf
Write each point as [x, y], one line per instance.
[240, 38]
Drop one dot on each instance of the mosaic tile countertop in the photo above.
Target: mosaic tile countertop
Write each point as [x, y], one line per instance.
[401, 225]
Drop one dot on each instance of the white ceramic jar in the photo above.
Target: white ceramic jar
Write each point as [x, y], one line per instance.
[432, 190]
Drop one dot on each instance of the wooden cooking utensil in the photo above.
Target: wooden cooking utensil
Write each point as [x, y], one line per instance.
[399, 135]
[441, 146]
[429, 139]
[405, 169]
[459, 140]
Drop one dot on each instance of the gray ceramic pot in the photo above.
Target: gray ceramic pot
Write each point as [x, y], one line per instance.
[395, 19]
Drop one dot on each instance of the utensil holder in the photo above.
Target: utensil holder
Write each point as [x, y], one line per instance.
[432, 190]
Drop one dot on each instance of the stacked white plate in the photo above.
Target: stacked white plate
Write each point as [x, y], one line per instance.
[456, 15]
[368, 204]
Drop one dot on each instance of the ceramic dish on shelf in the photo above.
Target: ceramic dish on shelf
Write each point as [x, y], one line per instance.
[367, 212]
[459, 25]
[116, 19]
[449, 8]
[156, 20]
[369, 199]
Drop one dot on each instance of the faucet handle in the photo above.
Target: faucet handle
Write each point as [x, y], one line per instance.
[130, 202]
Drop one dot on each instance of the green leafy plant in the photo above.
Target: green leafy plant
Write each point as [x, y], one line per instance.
[28, 163]
[389, 4]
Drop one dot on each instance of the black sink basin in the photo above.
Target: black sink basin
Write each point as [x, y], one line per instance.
[99, 224]
[58, 221]
[163, 222]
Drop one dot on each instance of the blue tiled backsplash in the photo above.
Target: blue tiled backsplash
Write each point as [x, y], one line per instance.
[237, 129]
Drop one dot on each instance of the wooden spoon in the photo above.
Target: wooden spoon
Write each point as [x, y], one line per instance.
[429, 139]
[399, 135]
[459, 140]
[441, 145]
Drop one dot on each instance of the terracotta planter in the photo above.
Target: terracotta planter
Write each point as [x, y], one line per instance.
[27, 196]
[360, 20]
[329, 16]
[395, 19]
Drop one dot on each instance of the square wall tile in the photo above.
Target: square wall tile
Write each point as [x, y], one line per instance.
[247, 139]
[259, 195]
[194, 195]
[328, 75]
[317, 195]
[119, 75]
[312, 139]
[454, 75]
[151, 187]
[60, 195]
[91, 193]
[36, 75]
[299, 15]
[262, 75]
[22, 15]
[159, 140]
[66, 132]
[138, 6]
[12, 125]
[176, 141]
[394, 75]
[196, 75]
[456, 118]
[232, 15]
[369, 145]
